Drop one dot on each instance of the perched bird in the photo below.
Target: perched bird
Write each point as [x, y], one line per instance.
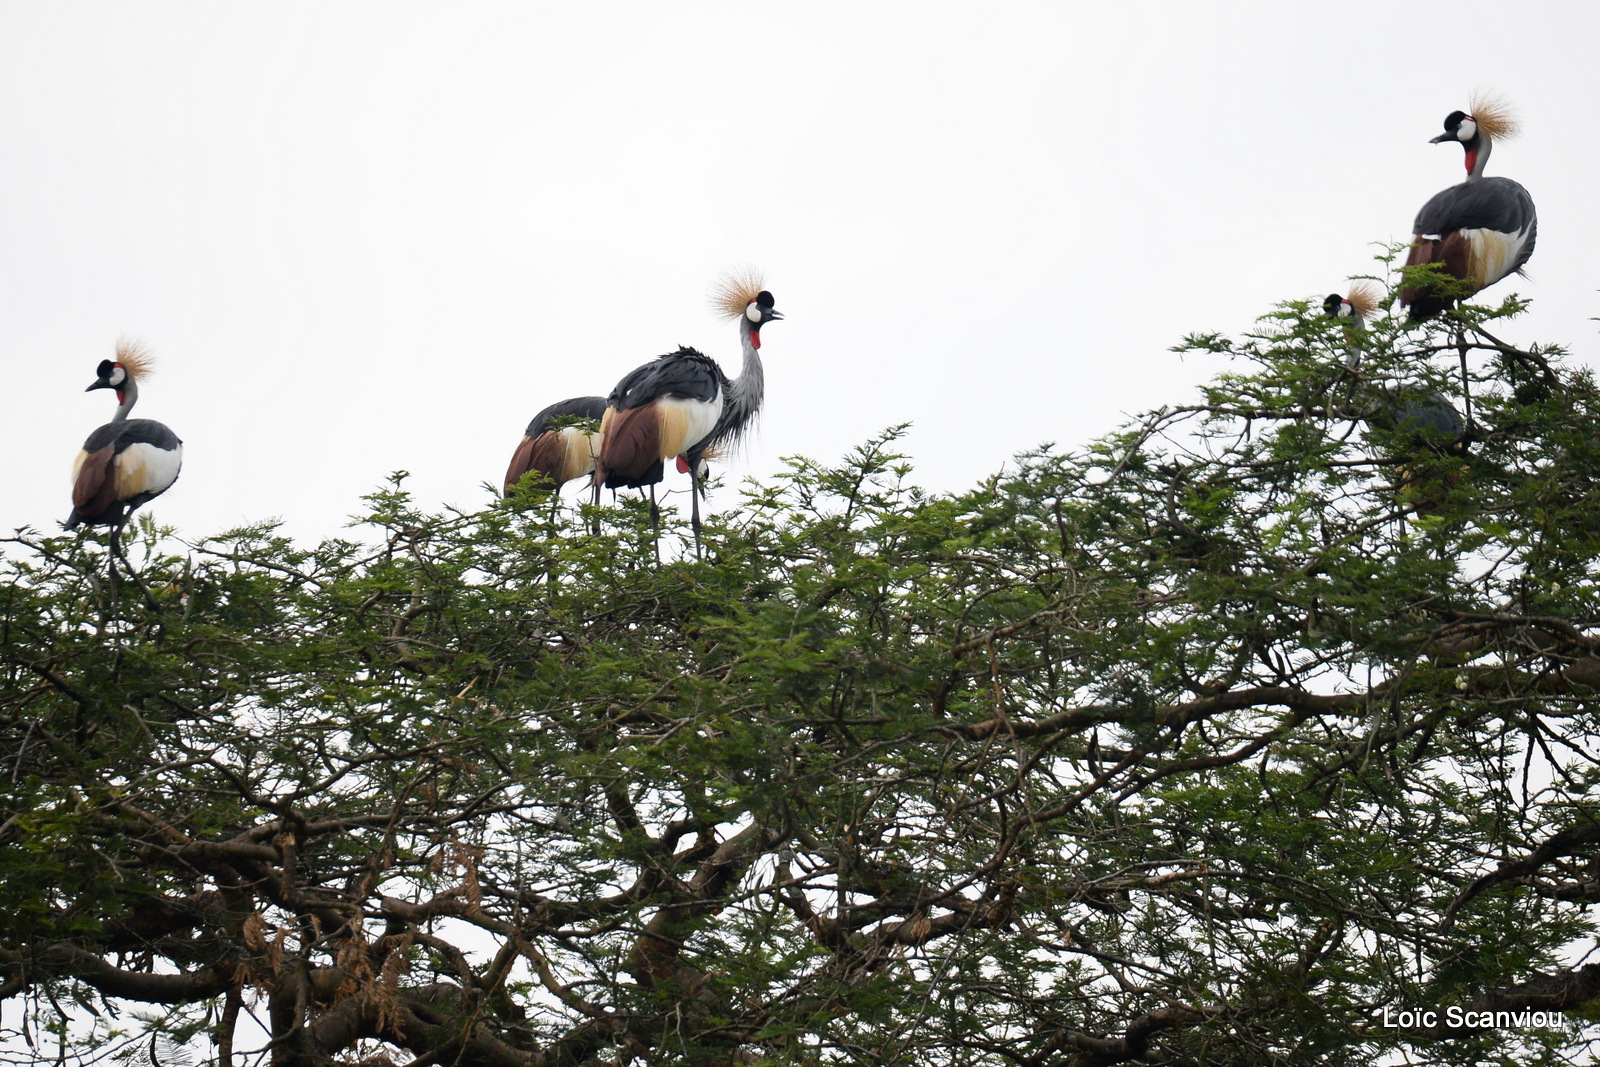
[1354, 310]
[1482, 229]
[1428, 419]
[1432, 440]
[1357, 307]
[127, 461]
[560, 444]
[683, 405]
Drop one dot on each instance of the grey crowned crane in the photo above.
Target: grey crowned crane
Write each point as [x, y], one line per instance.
[1482, 229]
[683, 405]
[1357, 307]
[126, 462]
[560, 444]
[1431, 430]
[1353, 310]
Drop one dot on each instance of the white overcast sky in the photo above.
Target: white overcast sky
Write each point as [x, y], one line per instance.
[366, 237]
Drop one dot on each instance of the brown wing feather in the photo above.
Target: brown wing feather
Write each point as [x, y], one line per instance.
[95, 489]
[630, 446]
[1455, 250]
[552, 457]
[1452, 250]
[549, 458]
[521, 463]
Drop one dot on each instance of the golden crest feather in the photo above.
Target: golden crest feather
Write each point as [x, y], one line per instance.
[733, 291]
[135, 358]
[1493, 116]
[1363, 299]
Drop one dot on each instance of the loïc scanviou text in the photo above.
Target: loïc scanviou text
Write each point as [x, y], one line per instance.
[1456, 1016]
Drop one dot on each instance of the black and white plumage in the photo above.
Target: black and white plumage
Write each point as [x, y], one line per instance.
[560, 444]
[127, 462]
[1482, 229]
[683, 405]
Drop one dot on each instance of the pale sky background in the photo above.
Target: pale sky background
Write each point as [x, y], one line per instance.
[365, 237]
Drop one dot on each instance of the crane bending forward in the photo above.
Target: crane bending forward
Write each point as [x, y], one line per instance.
[560, 444]
[1482, 229]
[683, 405]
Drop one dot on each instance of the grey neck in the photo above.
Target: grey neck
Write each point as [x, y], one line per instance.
[1482, 159]
[1352, 332]
[130, 393]
[746, 392]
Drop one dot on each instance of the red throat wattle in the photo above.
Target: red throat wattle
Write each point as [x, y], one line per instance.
[120, 400]
[755, 337]
[1472, 159]
[683, 465]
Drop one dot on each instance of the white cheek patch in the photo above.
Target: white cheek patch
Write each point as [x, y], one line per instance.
[1467, 130]
[117, 376]
[752, 312]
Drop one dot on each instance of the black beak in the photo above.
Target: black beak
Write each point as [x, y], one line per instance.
[1443, 137]
[100, 384]
[774, 315]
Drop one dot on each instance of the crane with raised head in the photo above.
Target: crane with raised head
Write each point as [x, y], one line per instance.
[127, 462]
[683, 405]
[1480, 230]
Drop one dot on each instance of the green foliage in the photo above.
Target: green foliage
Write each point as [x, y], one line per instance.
[1205, 745]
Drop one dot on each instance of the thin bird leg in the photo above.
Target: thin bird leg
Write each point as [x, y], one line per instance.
[694, 510]
[114, 549]
[592, 523]
[655, 511]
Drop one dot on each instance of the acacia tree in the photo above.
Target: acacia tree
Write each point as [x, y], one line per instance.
[1205, 745]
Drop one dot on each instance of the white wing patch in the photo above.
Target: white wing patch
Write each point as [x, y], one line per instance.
[686, 422]
[77, 466]
[582, 446]
[1491, 255]
[144, 469]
